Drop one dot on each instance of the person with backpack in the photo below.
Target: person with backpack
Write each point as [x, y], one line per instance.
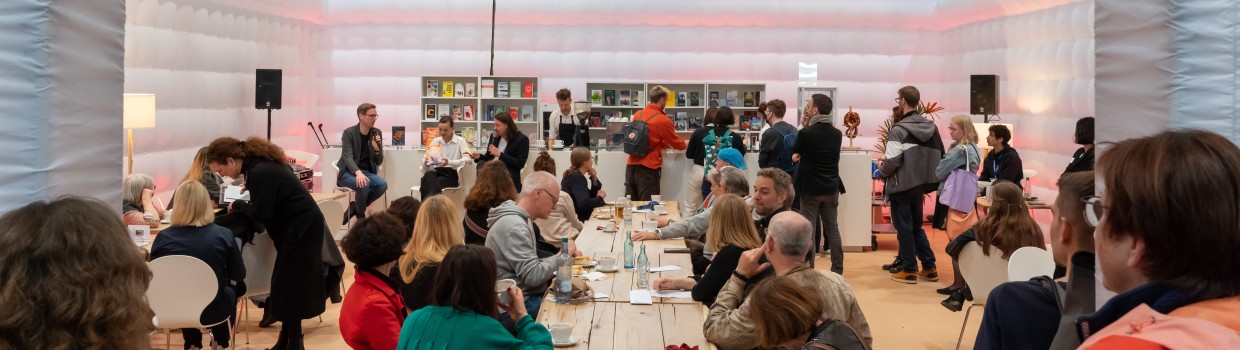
[716, 139]
[778, 140]
[645, 138]
[819, 186]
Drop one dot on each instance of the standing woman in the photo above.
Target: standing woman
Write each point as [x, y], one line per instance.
[581, 182]
[963, 154]
[693, 197]
[508, 145]
[279, 202]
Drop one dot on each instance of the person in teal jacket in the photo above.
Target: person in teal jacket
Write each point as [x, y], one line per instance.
[463, 313]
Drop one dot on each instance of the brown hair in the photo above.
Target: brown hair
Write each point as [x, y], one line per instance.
[493, 186]
[227, 147]
[362, 108]
[576, 159]
[1084, 134]
[730, 224]
[1073, 188]
[406, 209]
[1179, 192]
[563, 94]
[725, 116]
[910, 95]
[194, 205]
[544, 162]
[1008, 225]
[448, 120]
[504, 117]
[72, 278]
[1001, 132]
[476, 293]
[197, 167]
[658, 93]
[374, 241]
[777, 107]
[435, 231]
[710, 116]
[789, 310]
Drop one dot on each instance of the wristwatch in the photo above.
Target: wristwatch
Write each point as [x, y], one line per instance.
[658, 233]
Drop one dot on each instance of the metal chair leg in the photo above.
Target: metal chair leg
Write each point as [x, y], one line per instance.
[966, 322]
[168, 339]
[246, 307]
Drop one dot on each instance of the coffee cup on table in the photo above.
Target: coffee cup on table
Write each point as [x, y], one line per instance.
[660, 209]
[560, 332]
[501, 289]
[656, 198]
[607, 263]
[609, 226]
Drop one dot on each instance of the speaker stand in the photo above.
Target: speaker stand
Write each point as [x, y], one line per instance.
[269, 124]
[985, 119]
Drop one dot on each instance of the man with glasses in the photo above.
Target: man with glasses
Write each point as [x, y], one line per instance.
[360, 157]
[512, 238]
[914, 149]
[1038, 313]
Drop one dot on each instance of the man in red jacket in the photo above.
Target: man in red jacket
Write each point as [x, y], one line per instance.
[642, 175]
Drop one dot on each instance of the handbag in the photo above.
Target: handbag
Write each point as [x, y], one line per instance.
[958, 222]
[960, 189]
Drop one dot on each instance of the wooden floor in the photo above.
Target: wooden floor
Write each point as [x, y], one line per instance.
[901, 316]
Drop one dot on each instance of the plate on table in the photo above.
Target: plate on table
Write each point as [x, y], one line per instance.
[613, 269]
[603, 216]
[636, 210]
[570, 342]
[584, 261]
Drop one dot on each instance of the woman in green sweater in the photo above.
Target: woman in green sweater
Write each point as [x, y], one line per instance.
[463, 311]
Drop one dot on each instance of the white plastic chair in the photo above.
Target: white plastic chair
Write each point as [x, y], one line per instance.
[181, 288]
[466, 175]
[333, 211]
[983, 273]
[260, 260]
[303, 158]
[1029, 262]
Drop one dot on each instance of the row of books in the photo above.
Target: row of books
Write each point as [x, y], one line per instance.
[519, 113]
[490, 88]
[448, 88]
[617, 98]
[458, 112]
[684, 122]
[749, 121]
[736, 98]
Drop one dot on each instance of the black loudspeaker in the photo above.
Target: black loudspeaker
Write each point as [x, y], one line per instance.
[983, 94]
[267, 88]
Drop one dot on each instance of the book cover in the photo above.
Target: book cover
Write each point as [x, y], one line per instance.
[714, 99]
[681, 98]
[490, 113]
[527, 90]
[444, 109]
[428, 135]
[742, 122]
[398, 136]
[515, 90]
[638, 100]
[448, 88]
[757, 97]
[456, 112]
[430, 112]
[514, 113]
[488, 88]
[527, 113]
[695, 99]
[749, 99]
[460, 90]
[682, 116]
[682, 125]
[753, 141]
[609, 97]
[755, 123]
[626, 98]
[595, 119]
[695, 122]
[671, 98]
[596, 97]
[432, 88]
[501, 89]
[468, 113]
[731, 99]
[470, 90]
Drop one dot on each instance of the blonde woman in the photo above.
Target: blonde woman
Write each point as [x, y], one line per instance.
[193, 233]
[730, 233]
[200, 172]
[963, 154]
[434, 232]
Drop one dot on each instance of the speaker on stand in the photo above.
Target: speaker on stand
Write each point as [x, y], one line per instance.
[267, 94]
[983, 96]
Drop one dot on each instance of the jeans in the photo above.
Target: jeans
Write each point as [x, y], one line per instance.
[365, 195]
[822, 212]
[906, 216]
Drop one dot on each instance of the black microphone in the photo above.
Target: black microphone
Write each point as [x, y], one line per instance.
[316, 134]
[324, 135]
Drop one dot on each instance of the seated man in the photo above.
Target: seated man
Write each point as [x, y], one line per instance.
[731, 179]
[1025, 315]
[512, 238]
[361, 154]
[1002, 163]
[730, 322]
[444, 154]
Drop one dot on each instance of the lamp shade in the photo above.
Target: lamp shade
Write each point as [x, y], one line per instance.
[139, 111]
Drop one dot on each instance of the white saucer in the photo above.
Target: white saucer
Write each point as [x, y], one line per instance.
[613, 269]
[635, 210]
[571, 341]
[610, 231]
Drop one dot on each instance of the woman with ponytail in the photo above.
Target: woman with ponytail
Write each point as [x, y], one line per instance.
[285, 208]
[581, 182]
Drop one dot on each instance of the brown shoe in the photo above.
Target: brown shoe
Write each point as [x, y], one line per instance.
[931, 275]
[905, 277]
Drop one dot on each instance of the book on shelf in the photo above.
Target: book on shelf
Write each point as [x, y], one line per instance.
[398, 136]
[514, 112]
[671, 98]
[460, 90]
[430, 112]
[681, 98]
[515, 90]
[742, 122]
[695, 99]
[490, 113]
[731, 99]
[501, 89]
[638, 100]
[470, 90]
[595, 119]
[626, 98]
[714, 99]
[682, 125]
[456, 112]
[596, 97]
[448, 87]
[695, 122]
[527, 113]
[488, 88]
[757, 96]
[755, 122]
[682, 116]
[609, 97]
[468, 113]
[527, 89]
[444, 109]
[749, 99]
[753, 141]
[432, 88]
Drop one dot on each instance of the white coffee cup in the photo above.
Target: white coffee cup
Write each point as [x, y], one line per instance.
[650, 225]
[607, 263]
[609, 226]
[656, 198]
[501, 289]
[560, 332]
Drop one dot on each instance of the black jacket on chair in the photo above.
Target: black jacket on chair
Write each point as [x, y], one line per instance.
[513, 156]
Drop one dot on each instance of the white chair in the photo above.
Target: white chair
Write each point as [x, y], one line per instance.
[303, 158]
[333, 211]
[466, 174]
[260, 260]
[181, 288]
[983, 273]
[1029, 262]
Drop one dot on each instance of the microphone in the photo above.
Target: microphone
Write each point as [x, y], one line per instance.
[316, 134]
[324, 134]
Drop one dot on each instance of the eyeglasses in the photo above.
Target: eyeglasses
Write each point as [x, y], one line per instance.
[1094, 210]
[554, 198]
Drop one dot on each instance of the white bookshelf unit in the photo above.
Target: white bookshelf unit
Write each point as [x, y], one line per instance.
[686, 105]
[474, 108]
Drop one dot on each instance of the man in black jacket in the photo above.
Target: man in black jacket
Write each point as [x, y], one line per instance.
[1002, 163]
[818, 184]
[772, 151]
[360, 158]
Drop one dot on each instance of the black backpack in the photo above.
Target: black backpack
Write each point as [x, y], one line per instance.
[785, 157]
[637, 137]
[835, 334]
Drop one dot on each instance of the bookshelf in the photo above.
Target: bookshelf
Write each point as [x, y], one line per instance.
[686, 107]
[473, 100]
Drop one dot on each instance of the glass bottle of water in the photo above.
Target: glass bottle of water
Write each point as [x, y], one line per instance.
[628, 212]
[564, 276]
[628, 249]
[643, 269]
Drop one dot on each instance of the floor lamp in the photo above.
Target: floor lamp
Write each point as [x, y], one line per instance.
[139, 112]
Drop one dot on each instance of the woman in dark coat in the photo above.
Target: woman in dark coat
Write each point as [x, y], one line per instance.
[508, 145]
[279, 202]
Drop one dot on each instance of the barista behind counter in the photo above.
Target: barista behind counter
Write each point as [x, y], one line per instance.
[564, 123]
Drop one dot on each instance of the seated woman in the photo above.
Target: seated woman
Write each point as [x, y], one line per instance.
[581, 182]
[492, 187]
[730, 233]
[200, 171]
[372, 311]
[463, 312]
[66, 292]
[792, 319]
[434, 233]
[140, 206]
[193, 233]
[1007, 226]
[562, 222]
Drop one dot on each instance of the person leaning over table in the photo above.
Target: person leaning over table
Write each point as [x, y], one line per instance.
[200, 172]
[508, 145]
[731, 232]
[730, 323]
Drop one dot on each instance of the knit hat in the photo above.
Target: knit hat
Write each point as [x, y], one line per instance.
[732, 156]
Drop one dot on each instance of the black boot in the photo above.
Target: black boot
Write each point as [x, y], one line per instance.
[348, 213]
[954, 302]
[267, 319]
[949, 290]
[895, 266]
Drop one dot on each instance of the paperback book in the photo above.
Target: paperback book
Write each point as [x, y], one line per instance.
[470, 90]
[681, 98]
[714, 99]
[695, 99]
[444, 109]
[609, 97]
[501, 89]
[731, 99]
[448, 88]
[468, 113]
[398, 136]
[460, 90]
[638, 98]
[596, 97]
[488, 88]
[626, 99]
[432, 88]
[527, 90]
[527, 113]
[430, 112]
[749, 99]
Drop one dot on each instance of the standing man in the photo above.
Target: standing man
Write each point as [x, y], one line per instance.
[643, 172]
[564, 124]
[819, 184]
[914, 149]
[779, 139]
[360, 158]
[444, 154]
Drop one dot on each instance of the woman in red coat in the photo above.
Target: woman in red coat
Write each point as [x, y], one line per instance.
[373, 310]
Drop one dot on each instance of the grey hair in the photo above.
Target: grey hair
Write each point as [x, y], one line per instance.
[539, 180]
[735, 180]
[792, 233]
[133, 186]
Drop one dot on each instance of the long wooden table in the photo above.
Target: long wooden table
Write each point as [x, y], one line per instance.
[614, 323]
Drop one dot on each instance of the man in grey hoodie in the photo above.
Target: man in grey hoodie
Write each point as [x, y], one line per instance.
[914, 149]
[512, 238]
